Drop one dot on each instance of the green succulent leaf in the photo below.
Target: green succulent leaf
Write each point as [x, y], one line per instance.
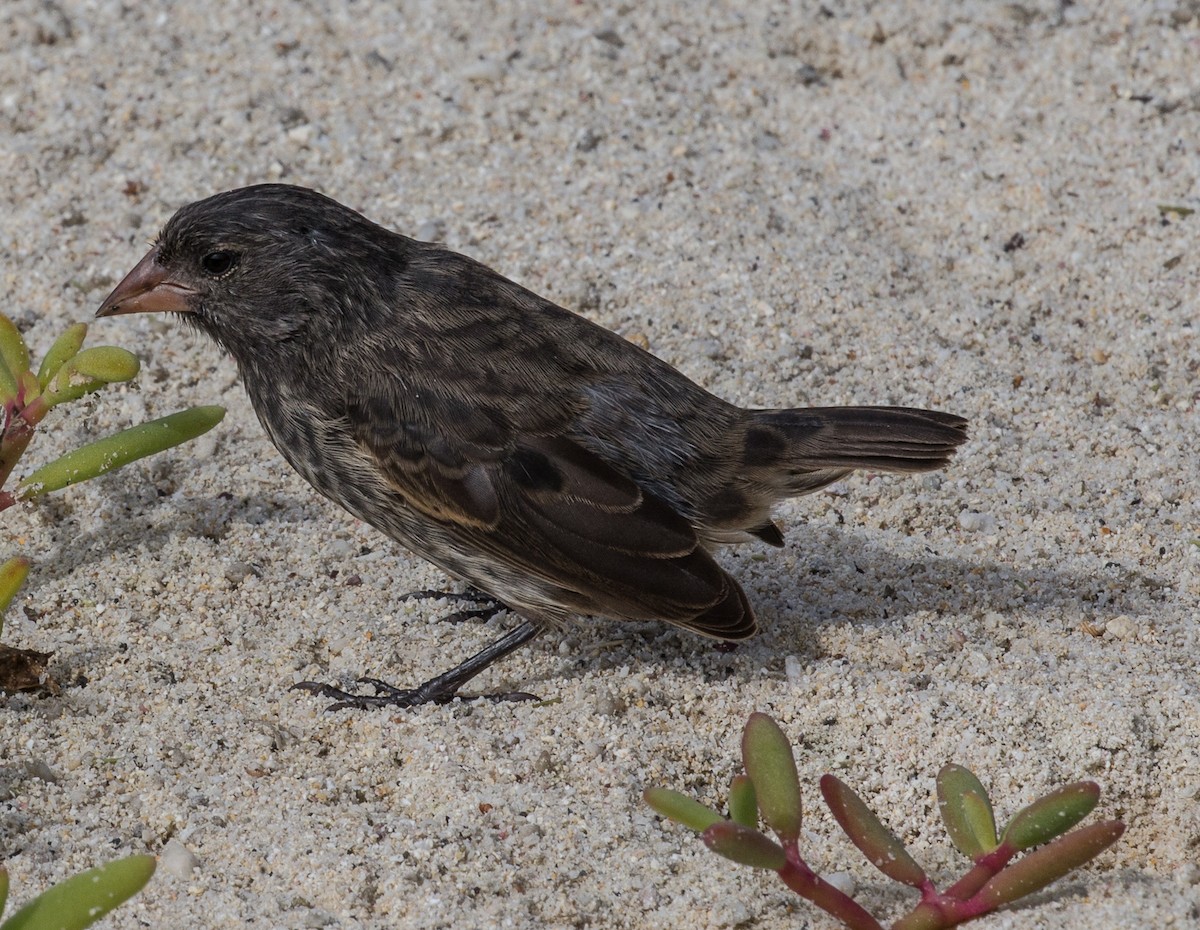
[868, 833]
[1048, 864]
[89, 371]
[12, 576]
[65, 348]
[12, 348]
[83, 899]
[3, 889]
[767, 756]
[743, 803]
[682, 809]
[966, 811]
[1052, 815]
[8, 385]
[120, 449]
[744, 846]
[106, 363]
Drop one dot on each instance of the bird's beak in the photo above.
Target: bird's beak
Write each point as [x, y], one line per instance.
[147, 289]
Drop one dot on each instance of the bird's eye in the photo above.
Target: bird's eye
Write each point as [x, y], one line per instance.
[219, 262]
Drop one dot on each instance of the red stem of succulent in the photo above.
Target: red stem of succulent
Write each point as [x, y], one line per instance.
[986, 867]
[955, 905]
[20, 422]
[806, 883]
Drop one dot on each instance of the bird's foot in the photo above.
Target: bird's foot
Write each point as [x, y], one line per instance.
[440, 689]
[387, 695]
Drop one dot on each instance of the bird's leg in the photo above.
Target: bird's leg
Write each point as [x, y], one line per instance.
[438, 690]
[471, 595]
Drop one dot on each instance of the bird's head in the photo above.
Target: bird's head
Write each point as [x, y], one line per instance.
[262, 267]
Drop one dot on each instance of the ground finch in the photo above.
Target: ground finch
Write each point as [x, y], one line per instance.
[539, 457]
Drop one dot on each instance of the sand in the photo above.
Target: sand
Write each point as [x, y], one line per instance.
[980, 207]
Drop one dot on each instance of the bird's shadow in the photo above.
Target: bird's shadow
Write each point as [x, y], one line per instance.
[879, 585]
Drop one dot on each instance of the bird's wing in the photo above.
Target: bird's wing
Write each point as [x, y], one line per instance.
[532, 500]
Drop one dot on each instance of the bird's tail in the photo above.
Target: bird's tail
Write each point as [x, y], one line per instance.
[814, 446]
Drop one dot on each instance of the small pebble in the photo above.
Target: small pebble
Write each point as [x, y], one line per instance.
[1122, 628]
[608, 703]
[729, 912]
[843, 882]
[178, 860]
[974, 522]
[237, 572]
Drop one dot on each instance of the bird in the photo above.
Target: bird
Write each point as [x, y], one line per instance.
[523, 449]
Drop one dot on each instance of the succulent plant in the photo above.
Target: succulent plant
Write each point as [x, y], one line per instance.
[769, 791]
[67, 372]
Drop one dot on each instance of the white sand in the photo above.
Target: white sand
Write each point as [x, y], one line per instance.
[794, 206]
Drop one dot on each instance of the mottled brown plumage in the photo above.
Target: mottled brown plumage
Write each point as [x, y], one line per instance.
[516, 445]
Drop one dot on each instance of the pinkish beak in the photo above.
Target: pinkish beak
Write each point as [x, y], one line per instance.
[147, 289]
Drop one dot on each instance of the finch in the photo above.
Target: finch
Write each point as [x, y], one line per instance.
[537, 456]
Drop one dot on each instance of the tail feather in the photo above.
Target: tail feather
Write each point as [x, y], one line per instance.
[817, 445]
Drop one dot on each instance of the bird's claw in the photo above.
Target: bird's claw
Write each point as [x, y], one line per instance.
[387, 695]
